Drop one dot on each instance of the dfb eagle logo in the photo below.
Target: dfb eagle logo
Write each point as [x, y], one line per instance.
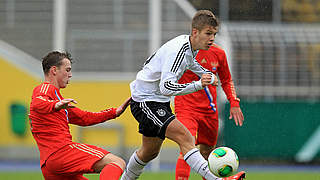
[161, 112]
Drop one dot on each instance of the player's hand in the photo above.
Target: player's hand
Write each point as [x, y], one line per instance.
[123, 107]
[64, 104]
[236, 114]
[206, 79]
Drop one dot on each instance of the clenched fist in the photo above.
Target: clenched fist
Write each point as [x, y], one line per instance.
[207, 79]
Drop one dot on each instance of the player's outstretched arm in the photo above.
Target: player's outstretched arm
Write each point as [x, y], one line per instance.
[64, 104]
[123, 107]
[236, 114]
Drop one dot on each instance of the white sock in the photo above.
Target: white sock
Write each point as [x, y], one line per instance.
[134, 168]
[199, 164]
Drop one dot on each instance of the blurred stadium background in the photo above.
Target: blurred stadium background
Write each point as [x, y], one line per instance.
[273, 47]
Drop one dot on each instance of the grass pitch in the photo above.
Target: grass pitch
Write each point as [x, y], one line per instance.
[171, 176]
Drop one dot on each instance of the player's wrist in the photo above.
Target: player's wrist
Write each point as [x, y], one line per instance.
[198, 85]
[57, 106]
[213, 78]
[235, 103]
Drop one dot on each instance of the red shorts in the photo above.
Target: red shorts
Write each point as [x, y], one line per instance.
[72, 161]
[201, 125]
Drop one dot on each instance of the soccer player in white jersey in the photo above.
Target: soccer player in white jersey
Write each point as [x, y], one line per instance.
[157, 82]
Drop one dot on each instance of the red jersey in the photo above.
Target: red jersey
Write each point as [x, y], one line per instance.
[205, 100]
[50, 127]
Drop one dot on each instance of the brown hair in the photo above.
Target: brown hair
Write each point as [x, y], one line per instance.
[203, 18]
[54, 58]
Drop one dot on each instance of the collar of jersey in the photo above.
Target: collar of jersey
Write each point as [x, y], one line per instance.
[190, 52]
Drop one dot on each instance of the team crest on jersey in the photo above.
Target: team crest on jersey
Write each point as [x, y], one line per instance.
[214, 66]
[161, 112]
[203, 61]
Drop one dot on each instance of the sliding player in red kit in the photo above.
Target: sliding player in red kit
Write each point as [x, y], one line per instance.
[50, 116]
[198, 111]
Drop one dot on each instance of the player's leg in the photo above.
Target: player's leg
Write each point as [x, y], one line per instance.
[153, 118]
[180, 134]
[110, 167]
[207, 133]
[205, 151]
[207, 139]
[149, 150]
[48, 175]
[77, 158]
[182, 168]
[188, 119]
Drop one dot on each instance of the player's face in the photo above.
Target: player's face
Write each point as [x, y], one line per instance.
[204, 38]
[64, 73]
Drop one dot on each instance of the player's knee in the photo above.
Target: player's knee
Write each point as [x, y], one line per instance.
[117, 161]
[110, 158]
[121, 163]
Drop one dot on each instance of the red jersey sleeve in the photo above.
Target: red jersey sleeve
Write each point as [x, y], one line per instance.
[43, 100]
[227, 82]
[85, 118]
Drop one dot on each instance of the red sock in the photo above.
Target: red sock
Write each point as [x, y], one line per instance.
[182, 170]
[111, 172]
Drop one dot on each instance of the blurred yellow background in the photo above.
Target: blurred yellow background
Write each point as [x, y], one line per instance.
[17, 86]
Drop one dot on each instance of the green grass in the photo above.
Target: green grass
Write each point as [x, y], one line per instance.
[170, 176]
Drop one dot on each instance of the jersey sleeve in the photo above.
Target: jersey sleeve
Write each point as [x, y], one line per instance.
[42, 99]
[86, 118]
[227, 82]
[170, 70]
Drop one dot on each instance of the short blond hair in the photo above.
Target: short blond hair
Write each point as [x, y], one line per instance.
[203, 18]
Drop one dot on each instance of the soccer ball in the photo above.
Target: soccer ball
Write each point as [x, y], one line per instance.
[223, 162]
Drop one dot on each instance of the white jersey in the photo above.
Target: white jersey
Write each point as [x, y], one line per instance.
[158, 80]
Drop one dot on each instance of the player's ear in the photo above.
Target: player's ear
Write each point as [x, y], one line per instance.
[53, 70]
[194, 32]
